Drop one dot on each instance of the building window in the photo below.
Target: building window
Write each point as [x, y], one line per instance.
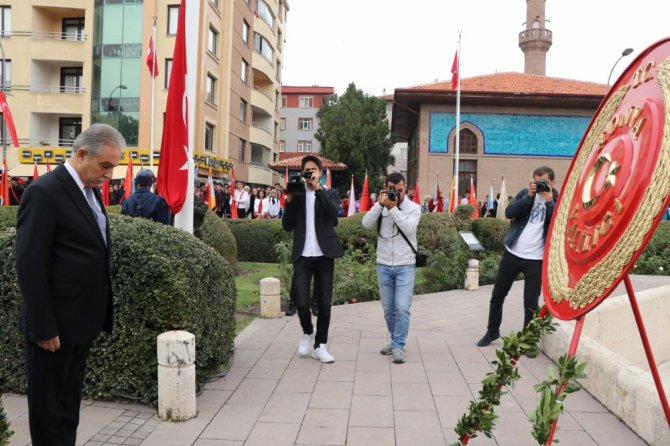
[468, 142]
[262, 46]
[241, 145]
[6, 75]
[5, 21]
[304, 146]
[466, 169]
[209, 137]
[265, 13]
[259, 155]
[212, 40]
[73, 28]
[282, 146]
[284, 101]
[68, 130]
[306, 101]
[243, 110]
[305, 123]
[173, 18]
[167, 71]
[244, 70]
[278, 71]
[403, 153]
[71, 79]
[245, 32]
[211, 88]
[282, 123]
[279, 40]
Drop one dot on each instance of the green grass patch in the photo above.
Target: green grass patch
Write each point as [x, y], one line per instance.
[248, 277]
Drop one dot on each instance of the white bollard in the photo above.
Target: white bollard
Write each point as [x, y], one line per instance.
[270, 297]
[176, 375]
[472, 275]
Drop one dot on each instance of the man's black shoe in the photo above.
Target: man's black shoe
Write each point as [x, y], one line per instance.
[487, 339]
[290, 310]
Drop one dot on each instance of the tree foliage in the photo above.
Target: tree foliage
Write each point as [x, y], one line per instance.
[353, 129]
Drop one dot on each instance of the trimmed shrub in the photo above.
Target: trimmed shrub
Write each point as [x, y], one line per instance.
[354, 236]
[488, 267]
[355, 278]
[491, 233]
[8, 217]
[216, 234]
[5, 433]
[656, 257]
[156, 289]
[256, 239]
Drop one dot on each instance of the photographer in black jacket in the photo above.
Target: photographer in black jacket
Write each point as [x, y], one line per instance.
[530, 212]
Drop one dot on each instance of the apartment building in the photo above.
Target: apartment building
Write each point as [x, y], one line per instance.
[70, 63]
[298, 122]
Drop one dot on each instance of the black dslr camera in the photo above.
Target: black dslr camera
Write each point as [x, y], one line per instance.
[296, 183]
[392, 194]
[542, 186]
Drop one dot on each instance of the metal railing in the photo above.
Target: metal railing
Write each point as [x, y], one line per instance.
[37, 141]
[47, 35]
[48, 89]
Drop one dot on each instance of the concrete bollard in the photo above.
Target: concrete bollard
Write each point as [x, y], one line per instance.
[270, 297]
[472, 275]
[176, 375]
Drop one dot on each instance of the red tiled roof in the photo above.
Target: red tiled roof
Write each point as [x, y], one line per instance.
[520, 83]
[314, 89]
[295, 163]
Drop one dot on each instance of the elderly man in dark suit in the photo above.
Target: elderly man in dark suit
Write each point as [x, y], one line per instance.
[312, 216]
[62, 264]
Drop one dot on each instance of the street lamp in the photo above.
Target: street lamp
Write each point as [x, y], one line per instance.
[109, 100]
[625, 52]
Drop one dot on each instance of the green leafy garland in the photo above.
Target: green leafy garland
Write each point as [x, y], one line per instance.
[481, 416]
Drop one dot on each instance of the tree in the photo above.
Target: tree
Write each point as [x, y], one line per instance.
[353, 129]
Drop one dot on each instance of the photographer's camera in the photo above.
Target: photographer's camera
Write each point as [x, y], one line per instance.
[542, 186]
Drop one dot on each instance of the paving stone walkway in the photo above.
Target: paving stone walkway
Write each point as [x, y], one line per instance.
[272, 396]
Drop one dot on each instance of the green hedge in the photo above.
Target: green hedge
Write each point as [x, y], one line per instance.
[656, 257]
[5, 433]
[256, 239]
[8, 217]
[216, 234]
[163, 279]
[491, 233]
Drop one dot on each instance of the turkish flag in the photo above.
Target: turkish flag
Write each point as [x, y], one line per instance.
[4, 185]
[454, 72]
[282, 199]
[151, 59]
[364, 204]
[172, 178]
[328, 179]
[417, 196]
[233, 203]
[104, 191]
[473, 199]
[9, 119]
[128, 182]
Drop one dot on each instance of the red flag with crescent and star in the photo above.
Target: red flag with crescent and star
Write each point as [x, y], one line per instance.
[6, 112]
[173, 169]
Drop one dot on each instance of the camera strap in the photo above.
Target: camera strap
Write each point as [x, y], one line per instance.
[379, 225]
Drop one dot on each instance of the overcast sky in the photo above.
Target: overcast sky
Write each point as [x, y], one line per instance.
[388, 44]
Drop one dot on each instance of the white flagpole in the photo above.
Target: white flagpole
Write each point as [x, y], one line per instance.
[458, 122]
[184, 218]
[153, 97]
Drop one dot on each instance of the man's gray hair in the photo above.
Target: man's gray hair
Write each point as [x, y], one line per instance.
[97, 136]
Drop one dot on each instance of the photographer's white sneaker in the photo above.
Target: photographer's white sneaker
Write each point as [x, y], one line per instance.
[321, 353]
[306, 343]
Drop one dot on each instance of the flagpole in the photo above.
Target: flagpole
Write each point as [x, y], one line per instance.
[153, 97]
[184, 218]
[458, 122]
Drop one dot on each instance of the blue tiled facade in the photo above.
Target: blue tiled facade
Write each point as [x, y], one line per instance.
[513, 134]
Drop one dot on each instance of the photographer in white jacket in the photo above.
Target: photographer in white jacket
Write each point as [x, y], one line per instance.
[394, 215]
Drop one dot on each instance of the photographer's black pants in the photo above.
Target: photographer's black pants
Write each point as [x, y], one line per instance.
[510, 266]
[321, 268]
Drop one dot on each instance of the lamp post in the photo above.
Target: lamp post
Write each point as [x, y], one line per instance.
[118, 106]
[625, 53]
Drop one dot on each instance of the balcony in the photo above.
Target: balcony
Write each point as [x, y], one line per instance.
[260, 99]
[260, 63]
[260, 134]
[541, 36]
[71, 4]
[260, 175]
[48, 35]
